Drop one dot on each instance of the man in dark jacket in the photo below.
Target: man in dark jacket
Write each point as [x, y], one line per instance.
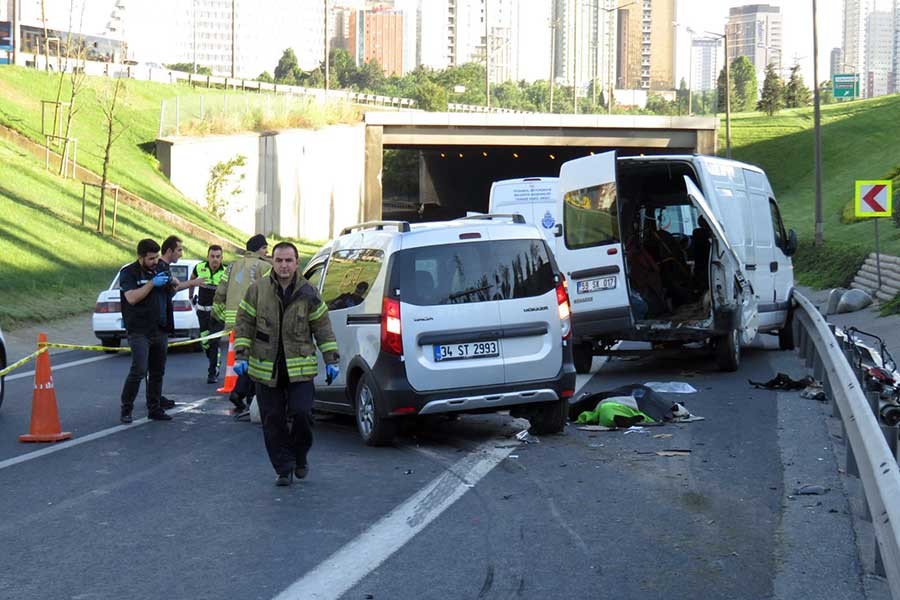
[146, 295]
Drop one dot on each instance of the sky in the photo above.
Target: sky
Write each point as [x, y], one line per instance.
[711, 15]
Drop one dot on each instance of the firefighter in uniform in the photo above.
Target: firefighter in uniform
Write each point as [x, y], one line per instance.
[280, 322]
[211, 271]
[238, 277]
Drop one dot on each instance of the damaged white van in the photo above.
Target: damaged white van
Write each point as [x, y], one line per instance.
[672, 250]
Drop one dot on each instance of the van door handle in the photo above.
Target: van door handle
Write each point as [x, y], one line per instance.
[751, 267]
[773, 266]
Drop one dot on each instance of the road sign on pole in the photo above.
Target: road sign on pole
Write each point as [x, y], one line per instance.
[873, 199]
[845, 85]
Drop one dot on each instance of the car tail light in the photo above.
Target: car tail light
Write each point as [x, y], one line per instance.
[108, 307]
[405, 410]
[567, 393]
[565, 315]
[181, 305]
[391, 340]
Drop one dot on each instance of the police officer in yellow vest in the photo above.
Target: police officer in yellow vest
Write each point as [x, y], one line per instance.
[279, 323]
[211, 271]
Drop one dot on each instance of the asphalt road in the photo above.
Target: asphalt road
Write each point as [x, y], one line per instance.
[457, 509]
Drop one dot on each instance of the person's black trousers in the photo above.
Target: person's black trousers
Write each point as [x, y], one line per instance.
[208, 325]
[287, 447]
[148, 359]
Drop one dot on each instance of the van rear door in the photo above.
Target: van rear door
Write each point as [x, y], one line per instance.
[729, 287]
[590, 251]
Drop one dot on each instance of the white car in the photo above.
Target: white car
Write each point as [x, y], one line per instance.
[107, 319]
[467, 316]
[3, 362]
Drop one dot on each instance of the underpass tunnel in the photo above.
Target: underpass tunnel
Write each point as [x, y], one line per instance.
[438, 183]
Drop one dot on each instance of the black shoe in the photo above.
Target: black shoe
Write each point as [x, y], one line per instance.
[212, 379]
[283, 480]
[165, 403]
[126, 417]
[301, 472]
[238, 402]
[159, 415]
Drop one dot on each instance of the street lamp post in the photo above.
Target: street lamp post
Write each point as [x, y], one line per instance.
[327, 49]
[724, 38]
[553, 26]
[819, 239]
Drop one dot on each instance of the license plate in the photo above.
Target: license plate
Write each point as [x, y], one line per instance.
[596, 285]
[444, 352]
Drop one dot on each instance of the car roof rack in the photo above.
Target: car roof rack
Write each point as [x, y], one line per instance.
[514, 217]
[402, 226]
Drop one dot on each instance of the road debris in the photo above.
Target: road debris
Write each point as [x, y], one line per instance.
[662, 436]
[782, 381]
[524, 436]
[671, 387]
[814, 392]
[673, 452]
[811, 490]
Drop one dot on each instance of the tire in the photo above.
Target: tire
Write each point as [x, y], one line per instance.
[583, 356]
[786, 333]
[374, 429]
[550, 418]
[728, 351]
[109, 342]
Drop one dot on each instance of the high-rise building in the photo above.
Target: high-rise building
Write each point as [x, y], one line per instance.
[434, 34]
[879, 54]
[532, 37]
[410, 11]
[855, 15]
[377, 35]
[896, 62]
[837, 60]
[470, 37]
[646, 47]
[755, 31]
[706, 62]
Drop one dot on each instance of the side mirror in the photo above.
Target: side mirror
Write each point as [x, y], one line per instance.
[790, 247]
[557, 231]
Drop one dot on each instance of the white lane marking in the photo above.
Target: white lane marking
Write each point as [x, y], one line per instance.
[346, 567]
[74, 363]
[9, 462]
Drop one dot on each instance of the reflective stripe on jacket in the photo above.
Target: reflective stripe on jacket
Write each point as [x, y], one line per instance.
[234, 285]
[265, 322]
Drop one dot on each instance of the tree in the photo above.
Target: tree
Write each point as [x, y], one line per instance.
[772, 93]
[288, 69]
[265, 77]
[343, 68]
[681, 97]
[187, 67]
[221, 175]
[720, 92]
[826, 93]
[115, 127]
[796, 94]
[743, 81]
[430, 96]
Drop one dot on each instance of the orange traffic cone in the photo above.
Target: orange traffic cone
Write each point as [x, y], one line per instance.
[45, 425]
[230, 376]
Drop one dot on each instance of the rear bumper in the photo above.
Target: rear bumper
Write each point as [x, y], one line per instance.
[607, 323]
[396, 392]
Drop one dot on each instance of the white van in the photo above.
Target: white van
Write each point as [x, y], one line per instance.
[532, 197]
[672, 250]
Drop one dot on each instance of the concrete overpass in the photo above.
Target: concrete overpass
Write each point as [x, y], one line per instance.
[461, 154]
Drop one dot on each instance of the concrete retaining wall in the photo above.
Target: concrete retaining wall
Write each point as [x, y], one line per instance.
[296, 183]
[867, 278]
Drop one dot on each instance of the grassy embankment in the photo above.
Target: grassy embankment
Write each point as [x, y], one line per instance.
[858, 142]
[51, 266]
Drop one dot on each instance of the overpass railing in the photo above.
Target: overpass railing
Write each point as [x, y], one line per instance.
[871, 446]
[474, 108]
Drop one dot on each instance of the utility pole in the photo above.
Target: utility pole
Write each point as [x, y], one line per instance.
[575, 57]
[728, 98]
[552, 51]
[46, 37]
[194, 5]
[690, 72]
[487, 57]
[15, 31]
[233, 36]
[820, 233]
[595, 47]
[327, 50]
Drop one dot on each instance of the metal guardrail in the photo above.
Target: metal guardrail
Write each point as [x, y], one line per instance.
[474, 108]
[868, 453]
